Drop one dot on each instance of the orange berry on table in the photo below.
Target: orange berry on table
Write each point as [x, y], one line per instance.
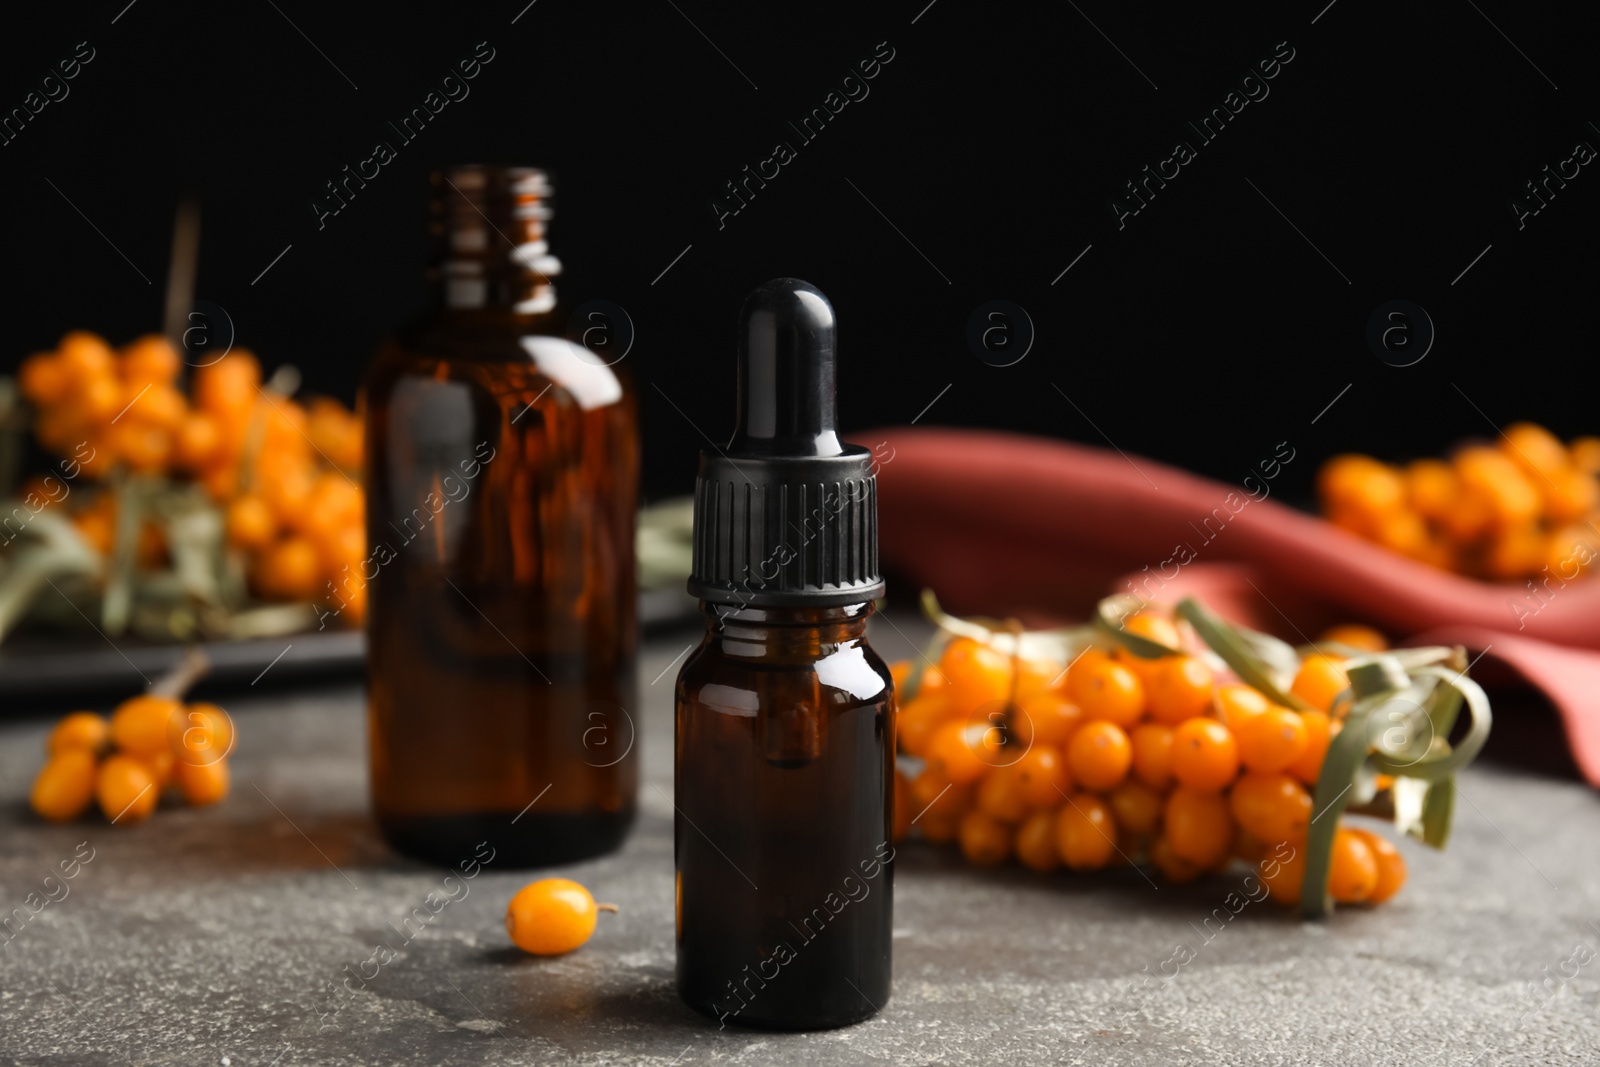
[1247, 846]
[1002, 796]
[228, 387]
[1199, 825]
[1109, 691]
[1136, 806]
[220, 482]
[1099, 755]
[1036, 841]
[285, 483]
[1152, 754]
[1320, 680]
[126, 790]
[198, 441]
[1352, 868]
[552, 916]
[964, 751]
[1154, 626]
[1569, 495]
[144, 724]
[900, 824]
[1352, 635]
[85, 355]
[985, 841]
[1284, 871]
[1360, 486]
[1515, 551]
[1236, 703]
[1178, 688]
[935, 796]
[1173, 867]
[43, 379]
[1391, 866]
[203, 783]
[975, 674]
[145, 448]
[1501, 483]
[289, 570]
[1086, 833]
[1272, 740]
[1319, 732]
[1431, 488]
[1048, 718]
[65, 785]
[917, 722]
[154, 404]
[1535, 449]
[1272, 807]
[150, 360]
[1205, 755]
[203, 734]
[250, 523]
[1044, 776]
[96, 400]
[160, 764]
[1585, 454]
[81, 729]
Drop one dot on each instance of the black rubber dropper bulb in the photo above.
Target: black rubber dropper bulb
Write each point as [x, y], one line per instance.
[787, 372]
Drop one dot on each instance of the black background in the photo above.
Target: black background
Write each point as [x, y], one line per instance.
[1203, 333]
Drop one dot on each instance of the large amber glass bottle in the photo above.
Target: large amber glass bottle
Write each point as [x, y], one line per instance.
[502, 481]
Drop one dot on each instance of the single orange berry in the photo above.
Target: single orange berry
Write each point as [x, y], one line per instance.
[1178, 688]
[1391, 866]
[1099, 756]
[1272, 807]
[1081, 667]
[1036, 841]
[985, 841]
[1319, 681]
[151, 360]
[85, 355]
[1086, 833]
[1048, 718]
[289, 570]
[1109, 691]
[917, 722]
[142, 724]
[1236, 703]
[1352, 868]
[552, 916]
[160, 765]
[1272, 740]
[940, 828]
[1173, 867]
[198, 441]
[1153, 626]
[976, 674]
[1319, 732]
[65, 785]
[1284, 872]
[1352, 635]
[126, 789]
[81, 729]
[1002, 796]
[935, 796]
[1043, 774]
[203, 783]
[1136, 806]
[1198, 825]
[202, 734]
[963, 751]
[1204, 755]
[1152, 754]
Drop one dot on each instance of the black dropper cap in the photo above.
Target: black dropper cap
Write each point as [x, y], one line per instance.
[788, 515]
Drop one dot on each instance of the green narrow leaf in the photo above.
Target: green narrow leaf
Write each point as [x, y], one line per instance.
[1256, 658]
[1109, 616]
[1438, 812]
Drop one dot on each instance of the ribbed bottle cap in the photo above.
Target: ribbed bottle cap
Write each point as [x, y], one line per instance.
[788, 515]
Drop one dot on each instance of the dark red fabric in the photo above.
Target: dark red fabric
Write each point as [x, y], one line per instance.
[1003, 524]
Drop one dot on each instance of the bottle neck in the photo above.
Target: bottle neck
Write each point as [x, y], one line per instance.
[491, 223]
[782, 633]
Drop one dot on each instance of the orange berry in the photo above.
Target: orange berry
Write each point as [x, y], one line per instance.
[198, 441]
[250, 523]
[936, 797]
[1136, 806]
[1178, 688]
[160, 764]
[126, 789]
[64, 786]
[1271, 807]
[1352, 868]
[1535, 449]
[917, 722]
[142, 724]
[1319, 732]
[1109, 691]
[1284, 872]
[1002, 796]
[227, 388]
[940, 828]
[143, 447]
[98, 529]
[203, 783]
[1584, 453]
[899, 672]
[1081, 667]
[153, 404]
[1319, 681]
[1199, 825]
[289, 570]
[1360, 486]
[1205, 755]
[85, 355]
[963, 752]
[1236, 703]
[1086, 833]
[900, 823]
[1152, 754]
[1099, 756]
[1272, 740]
[1173, 867]
[43, 379]
[202, 734]
[986, 842]
[1391, 866]
[1569, 495]
[81, 729]
[976, 674]
[150, 360]
[1048, 718]
[1154, 626]
[1247, 846]
[1352, 635]
[1489, 474]
[1036, 841]
[552, 916]
[1431, 488]
[1043, 774]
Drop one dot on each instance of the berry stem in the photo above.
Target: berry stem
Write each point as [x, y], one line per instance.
[606, 907]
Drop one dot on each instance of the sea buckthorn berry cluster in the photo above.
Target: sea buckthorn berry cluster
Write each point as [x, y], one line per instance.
[150, 746]
[1114, 758]
[1526, 507]
[282, 474]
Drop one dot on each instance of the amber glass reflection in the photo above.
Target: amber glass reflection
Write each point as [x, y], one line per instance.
[502, 616]
[785, 770]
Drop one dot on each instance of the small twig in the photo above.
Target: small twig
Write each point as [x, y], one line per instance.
[612, 908]
[190, 669]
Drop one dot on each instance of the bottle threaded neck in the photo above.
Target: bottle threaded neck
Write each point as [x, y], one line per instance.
[490, 221]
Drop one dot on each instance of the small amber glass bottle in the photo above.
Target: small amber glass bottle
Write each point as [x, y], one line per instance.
[502, 483]
[785, 716]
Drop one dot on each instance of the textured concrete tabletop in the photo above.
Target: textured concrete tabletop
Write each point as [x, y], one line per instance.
[213, 937]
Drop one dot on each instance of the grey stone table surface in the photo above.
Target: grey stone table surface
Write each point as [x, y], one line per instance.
[214, 937]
